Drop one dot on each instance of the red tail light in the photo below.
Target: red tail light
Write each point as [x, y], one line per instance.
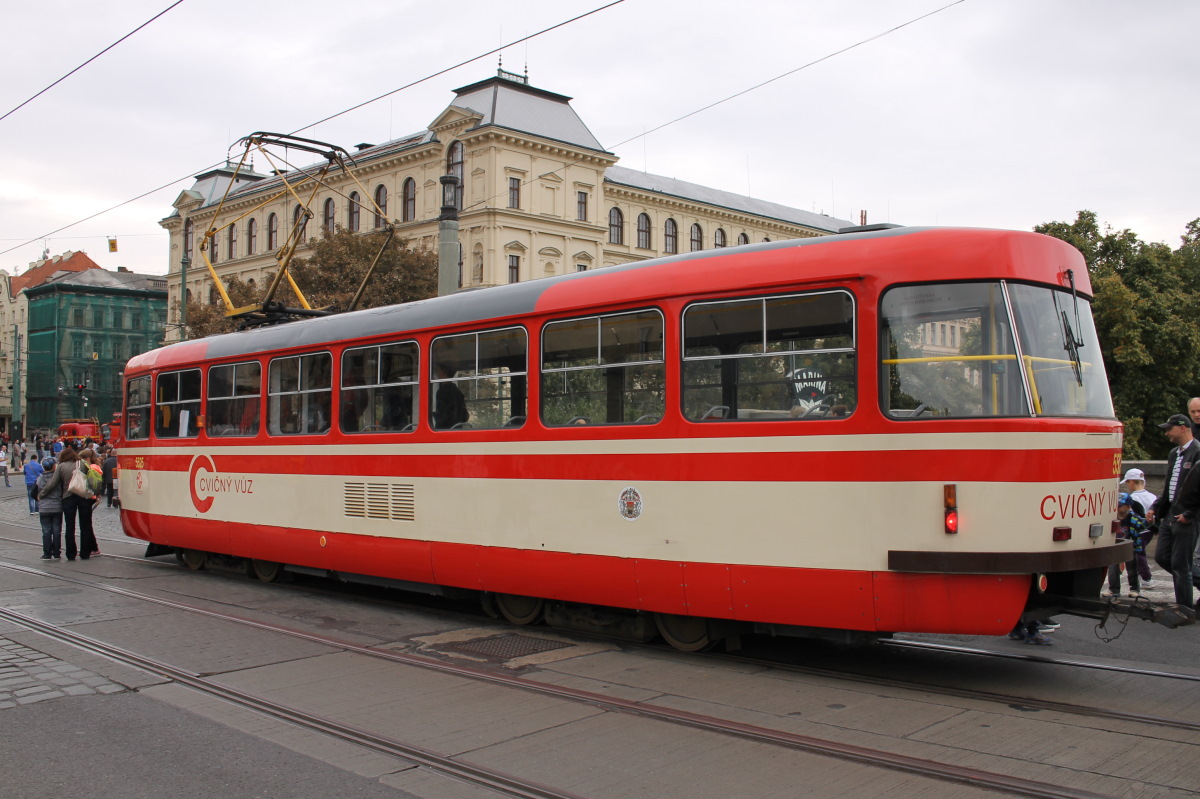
[1062, 534]
[951, 522]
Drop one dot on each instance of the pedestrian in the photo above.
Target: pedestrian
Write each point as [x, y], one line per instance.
[72, 505]
[50, 512]
[1176, 510]
[1193, 409]
[110, 466]
[33, 470]
[4, 464]
[56, 448]
[38, 446]
[85, 505]
[19, 454]
[1031, 633]
[1133, 527]
[1134, 484]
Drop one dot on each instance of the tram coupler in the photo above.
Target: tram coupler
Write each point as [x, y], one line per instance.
[1169, 615]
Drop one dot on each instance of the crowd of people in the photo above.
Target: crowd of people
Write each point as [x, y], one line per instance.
[65, 483]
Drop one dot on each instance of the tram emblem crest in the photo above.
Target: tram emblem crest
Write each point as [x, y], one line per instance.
[630, 503]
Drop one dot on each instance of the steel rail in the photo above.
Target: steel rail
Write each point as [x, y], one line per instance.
[848, 752]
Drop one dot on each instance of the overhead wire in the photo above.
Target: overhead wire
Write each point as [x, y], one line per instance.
[90, 60]
[493, 51]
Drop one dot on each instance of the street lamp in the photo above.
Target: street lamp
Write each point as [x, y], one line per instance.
[448, 248]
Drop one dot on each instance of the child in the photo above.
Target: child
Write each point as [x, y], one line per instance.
[1133, 528]
[50, 512]
[1134, 482]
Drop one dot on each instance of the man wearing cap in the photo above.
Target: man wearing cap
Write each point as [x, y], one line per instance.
[1176, 510]
[1134, 484]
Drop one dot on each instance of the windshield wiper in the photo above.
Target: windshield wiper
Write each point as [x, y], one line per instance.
[1070, 343]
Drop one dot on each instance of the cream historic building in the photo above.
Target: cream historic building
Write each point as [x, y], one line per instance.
[539, 196]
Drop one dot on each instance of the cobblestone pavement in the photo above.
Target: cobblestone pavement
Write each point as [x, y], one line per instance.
[28, 676]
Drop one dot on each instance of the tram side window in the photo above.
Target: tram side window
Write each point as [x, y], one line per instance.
[379, 389]
[770, 358]
[300, 395]
[479, 380]
[234, 392]
[926, 373]
[603, 370]
[137, 408]
[177, 404]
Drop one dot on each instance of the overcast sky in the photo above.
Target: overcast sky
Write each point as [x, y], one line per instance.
[992, 113]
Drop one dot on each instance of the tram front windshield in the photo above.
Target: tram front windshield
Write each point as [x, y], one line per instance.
[950, 350]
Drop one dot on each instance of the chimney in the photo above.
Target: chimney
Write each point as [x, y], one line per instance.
[122, 269]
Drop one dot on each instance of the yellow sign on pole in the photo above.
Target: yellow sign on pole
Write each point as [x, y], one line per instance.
[112, 244]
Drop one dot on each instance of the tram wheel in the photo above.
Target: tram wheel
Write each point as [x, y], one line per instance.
[520, 609]
[193, 559]
[266, 570]
[685, 633]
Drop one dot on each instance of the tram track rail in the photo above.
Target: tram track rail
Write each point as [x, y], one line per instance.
[809, 744]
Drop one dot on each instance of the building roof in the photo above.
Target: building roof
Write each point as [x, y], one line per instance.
[508, 101]
[41, 271]
[104, 279]
[722, 199]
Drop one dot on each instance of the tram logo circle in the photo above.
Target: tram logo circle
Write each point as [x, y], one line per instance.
[630, 503]
[197, 483]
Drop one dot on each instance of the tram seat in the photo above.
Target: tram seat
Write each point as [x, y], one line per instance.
[462, 426]
[647, 419]
[516, 421]
[715, 413]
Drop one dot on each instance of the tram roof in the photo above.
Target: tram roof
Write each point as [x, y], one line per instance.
[904, 253]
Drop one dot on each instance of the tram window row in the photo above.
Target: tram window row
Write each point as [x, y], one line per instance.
[749, 359]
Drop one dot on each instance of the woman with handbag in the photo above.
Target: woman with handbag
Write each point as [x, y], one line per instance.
[77, 501]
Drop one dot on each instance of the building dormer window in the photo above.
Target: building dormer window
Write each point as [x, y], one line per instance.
[643, 231]
[616, 226]
[352, 212]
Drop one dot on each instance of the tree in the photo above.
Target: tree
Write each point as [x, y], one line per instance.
[334, 271]
[1145, 296]
[330, 277]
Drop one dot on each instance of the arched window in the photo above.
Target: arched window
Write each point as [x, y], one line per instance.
[232, 248]
[719, 237]
[743, 239]
[381, 203]
[671, 237]
[251, 237]
[272, 232]
[189, 238]
[454, 166]
[330, 221]
[300, 220]
[766, 239]
[189, 299]
[252, 284]
[410, 200]
[643, 231]
[697, 238]
[352, 213]
[213, 297]
[212, 247]
[616, 226]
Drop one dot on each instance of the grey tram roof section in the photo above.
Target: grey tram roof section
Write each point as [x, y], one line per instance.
[498, 303]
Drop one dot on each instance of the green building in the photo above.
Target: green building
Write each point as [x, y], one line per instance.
[83, 328]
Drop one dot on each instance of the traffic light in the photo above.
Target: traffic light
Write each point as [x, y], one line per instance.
[80, 387]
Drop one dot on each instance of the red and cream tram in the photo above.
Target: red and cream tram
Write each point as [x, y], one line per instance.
[902, 430]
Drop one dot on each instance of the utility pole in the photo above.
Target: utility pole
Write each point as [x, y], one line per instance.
[448, 247]
[17, 418]
[184, 263]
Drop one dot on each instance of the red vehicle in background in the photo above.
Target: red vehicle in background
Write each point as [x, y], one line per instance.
[83, 428]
